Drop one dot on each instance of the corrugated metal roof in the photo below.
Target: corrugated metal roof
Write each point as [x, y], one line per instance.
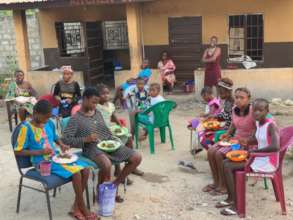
[20, 1]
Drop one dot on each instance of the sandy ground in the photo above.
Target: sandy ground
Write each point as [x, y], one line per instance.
[166, 192]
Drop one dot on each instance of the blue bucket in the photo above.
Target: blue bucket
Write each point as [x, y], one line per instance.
[106, 199]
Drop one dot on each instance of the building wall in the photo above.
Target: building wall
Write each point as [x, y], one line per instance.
[8, 60]
[266, 83]
[48, 17]
[278, 18]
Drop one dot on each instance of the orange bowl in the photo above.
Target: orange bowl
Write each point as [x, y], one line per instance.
[237, 155]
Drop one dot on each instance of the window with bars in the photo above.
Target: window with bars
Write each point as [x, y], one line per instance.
[246, 36]
[115, 35]
[71, 39]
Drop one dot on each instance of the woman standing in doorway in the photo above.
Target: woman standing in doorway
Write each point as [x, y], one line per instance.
[212, 59]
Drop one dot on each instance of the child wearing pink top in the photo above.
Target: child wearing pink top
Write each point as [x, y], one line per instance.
[267, 139]
[212, 107]
[241, 128]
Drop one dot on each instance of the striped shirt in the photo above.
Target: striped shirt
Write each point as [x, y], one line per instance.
[81, 126]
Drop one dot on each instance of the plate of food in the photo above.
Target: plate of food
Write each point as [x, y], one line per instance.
[228, 143]
[119, 131]
[109, 146]
[211, 125]
[64, 158]
[237, 155]
[224, 143]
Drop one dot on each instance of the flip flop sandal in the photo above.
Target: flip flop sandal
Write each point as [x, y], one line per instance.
[77, 215]
[92, 216]
[195, 151]
[217, 193]
[223, 204]
[190, 165]
[208, 188]
[228, 212]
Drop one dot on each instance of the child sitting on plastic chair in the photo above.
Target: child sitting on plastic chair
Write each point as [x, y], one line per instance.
[212, 108]
[107, 110]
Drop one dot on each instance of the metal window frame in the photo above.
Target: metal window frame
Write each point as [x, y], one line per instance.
[245, 35]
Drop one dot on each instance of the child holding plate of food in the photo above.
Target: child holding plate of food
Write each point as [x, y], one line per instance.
[107, 110]
[267, 139]
[37, 138]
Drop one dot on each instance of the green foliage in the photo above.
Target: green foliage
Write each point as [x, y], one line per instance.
[9, 73]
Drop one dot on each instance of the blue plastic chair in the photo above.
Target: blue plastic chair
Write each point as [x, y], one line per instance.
[51, 182]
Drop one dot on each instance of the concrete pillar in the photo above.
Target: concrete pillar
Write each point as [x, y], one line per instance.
[134, 36]
[22, 44]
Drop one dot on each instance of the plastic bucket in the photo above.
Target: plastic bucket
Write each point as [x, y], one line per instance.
[106, 199]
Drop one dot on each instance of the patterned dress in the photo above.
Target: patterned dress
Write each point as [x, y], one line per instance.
[81, 126]
[16, 93]
[34, 138]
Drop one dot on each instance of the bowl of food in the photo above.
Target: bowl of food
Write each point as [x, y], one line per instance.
[109, 146]
[211, 125]
[237, 155]
[119, 131]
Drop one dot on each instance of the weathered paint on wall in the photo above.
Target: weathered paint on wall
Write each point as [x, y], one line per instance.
[48, 17]
[44, 80]
[278, 18]
[134, 36]
[266, 83]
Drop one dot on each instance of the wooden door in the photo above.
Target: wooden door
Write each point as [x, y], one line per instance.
[94, 48]
[185, 39]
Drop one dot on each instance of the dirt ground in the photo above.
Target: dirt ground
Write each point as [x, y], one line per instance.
[166, 192]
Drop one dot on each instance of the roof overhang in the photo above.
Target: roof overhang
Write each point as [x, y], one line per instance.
[32, 4]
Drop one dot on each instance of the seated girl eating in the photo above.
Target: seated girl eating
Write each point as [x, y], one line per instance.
[242, 127]
[212, 109]
[224, 88]
[267, 140]
[37, 139]
[107, 110]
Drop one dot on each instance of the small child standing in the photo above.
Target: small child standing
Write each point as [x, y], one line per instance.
[137, 100]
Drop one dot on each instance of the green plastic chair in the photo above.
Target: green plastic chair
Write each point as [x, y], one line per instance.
[160, 113]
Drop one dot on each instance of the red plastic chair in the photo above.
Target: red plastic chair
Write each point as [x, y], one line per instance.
[51, 99]
[286, 139]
